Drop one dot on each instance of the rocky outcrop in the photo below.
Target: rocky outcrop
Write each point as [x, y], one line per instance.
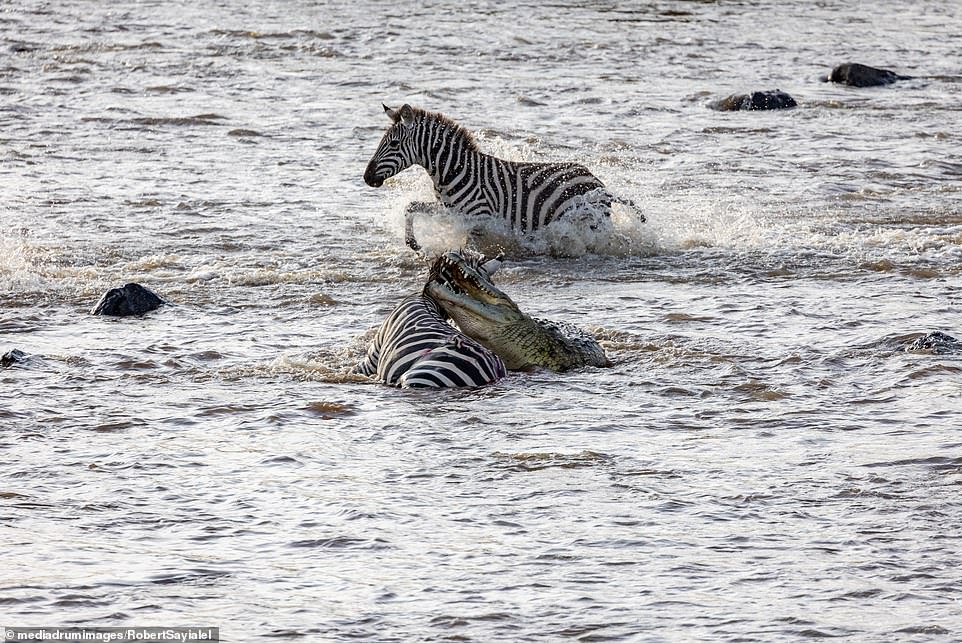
[858, 75]
[756, 101]
[131, 299]
[936, 342]
[15, 356]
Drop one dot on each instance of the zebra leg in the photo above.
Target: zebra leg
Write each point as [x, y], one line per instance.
[409, 239]
[412, 210]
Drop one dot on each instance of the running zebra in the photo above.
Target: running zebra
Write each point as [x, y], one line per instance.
[416, 347]
[472, 183]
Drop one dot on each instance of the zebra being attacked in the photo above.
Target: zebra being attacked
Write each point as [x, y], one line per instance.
[526, 196]
[416, 347]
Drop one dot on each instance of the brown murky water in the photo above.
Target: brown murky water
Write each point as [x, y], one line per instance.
[765, 460]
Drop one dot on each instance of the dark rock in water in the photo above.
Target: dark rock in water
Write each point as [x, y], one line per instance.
[858, 75]
[936, 342]
[16, 356]
[769, 99]
[132, 299]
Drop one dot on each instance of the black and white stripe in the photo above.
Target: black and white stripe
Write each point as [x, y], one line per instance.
[526, 195]
[416, 347]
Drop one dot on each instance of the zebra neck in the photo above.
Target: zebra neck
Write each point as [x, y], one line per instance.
[452, 163]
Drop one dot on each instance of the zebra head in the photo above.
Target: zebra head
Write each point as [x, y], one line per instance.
[395, 152]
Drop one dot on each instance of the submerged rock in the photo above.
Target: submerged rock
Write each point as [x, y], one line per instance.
[16, 356]
[768, 99]
[936, 342]
[858, 75]
[131, 299]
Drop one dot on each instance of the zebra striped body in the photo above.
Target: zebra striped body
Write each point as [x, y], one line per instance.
[416, 347]
[526, 195]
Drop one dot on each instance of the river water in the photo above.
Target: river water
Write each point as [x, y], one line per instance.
[765, 460]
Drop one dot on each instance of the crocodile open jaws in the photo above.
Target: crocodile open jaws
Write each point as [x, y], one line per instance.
[485, 313]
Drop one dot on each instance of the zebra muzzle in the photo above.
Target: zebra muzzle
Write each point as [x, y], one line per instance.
[372, 179]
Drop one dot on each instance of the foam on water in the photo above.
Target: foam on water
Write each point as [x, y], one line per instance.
[16, 266]
[673, 225]
[669, 227]
[39, 270]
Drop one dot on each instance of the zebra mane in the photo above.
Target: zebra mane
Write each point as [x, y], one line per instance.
[459, 130]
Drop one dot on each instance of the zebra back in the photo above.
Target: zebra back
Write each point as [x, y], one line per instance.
[416, 347]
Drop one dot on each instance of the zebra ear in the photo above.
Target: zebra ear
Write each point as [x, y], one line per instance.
[491, 265]
[406, 114]
[391, 113]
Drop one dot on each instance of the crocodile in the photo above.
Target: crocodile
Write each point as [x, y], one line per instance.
[485, 313]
